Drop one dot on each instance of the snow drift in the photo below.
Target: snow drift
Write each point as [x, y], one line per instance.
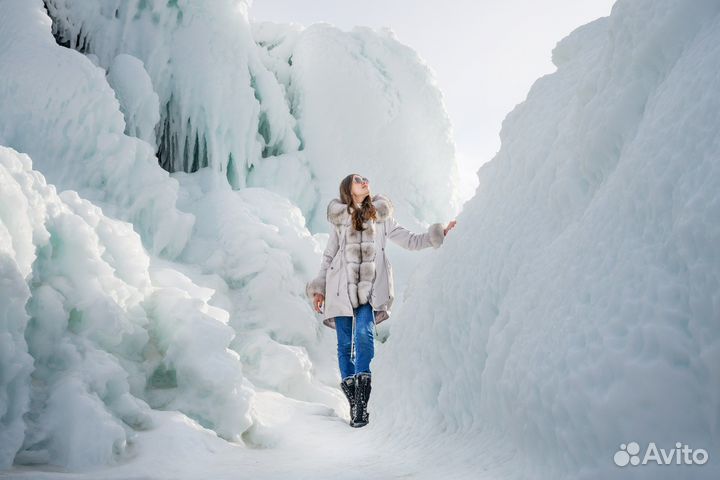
[576, 307]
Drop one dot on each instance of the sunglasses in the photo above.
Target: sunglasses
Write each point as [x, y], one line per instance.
[357, 179]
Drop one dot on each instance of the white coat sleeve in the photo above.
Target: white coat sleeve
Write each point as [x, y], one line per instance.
[415, 241]
[318, 284]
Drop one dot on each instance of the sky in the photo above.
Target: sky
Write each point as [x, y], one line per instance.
[485, 53]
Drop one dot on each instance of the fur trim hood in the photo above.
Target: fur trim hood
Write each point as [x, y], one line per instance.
[337, 213]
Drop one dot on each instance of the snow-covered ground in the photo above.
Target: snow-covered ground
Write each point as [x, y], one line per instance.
[154, 324]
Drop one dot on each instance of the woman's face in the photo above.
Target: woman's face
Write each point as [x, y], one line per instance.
[360, 187]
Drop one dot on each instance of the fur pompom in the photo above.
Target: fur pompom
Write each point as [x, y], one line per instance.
[315, 286]
[364, 288]
[353, 292]
[383, 207]
[437, 234]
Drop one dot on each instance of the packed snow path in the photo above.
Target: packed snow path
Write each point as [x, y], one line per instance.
[309, 442]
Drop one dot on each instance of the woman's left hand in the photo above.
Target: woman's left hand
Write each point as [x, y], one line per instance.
[450, 226]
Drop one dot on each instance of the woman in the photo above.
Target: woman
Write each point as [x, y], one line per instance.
[355, 284]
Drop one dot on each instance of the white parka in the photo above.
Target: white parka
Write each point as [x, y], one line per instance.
[355, 268]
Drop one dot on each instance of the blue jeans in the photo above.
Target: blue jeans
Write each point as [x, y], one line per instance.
[364, 341]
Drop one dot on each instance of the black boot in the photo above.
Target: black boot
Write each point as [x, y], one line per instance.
[348, 388]
[362, 395]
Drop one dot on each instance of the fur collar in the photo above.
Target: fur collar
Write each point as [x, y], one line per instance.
[337, 211]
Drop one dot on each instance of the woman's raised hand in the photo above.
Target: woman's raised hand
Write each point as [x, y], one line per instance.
[318, 302]
[450, 226]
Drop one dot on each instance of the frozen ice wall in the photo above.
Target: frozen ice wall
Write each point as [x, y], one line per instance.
[575, 308]
[93, 336]
[279, 106]
[218, 107]
[362, 101]
[102, 330]
[58, 108]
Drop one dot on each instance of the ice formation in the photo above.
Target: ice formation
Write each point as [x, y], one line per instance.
[202, 69]
[138, 101]
[361, 100]
[102, 332]
[271, 105]
[576, 307]
[143, 313]
[59, 109]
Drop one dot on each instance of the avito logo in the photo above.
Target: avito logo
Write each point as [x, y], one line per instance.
[629, 454]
